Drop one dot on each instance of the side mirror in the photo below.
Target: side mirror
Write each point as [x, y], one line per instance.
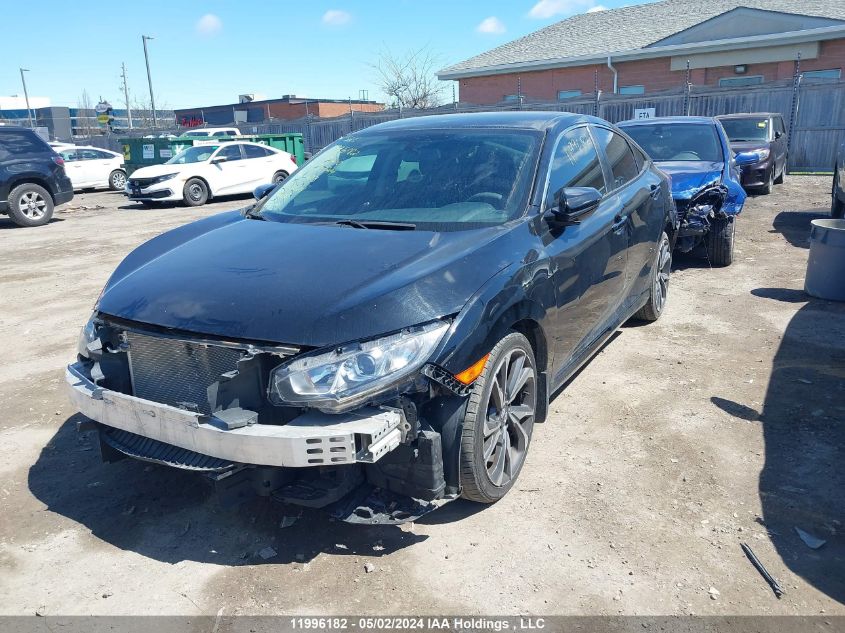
[746, 158]
[778, 134]
[573, 203]
[261, 191]
[218, 159]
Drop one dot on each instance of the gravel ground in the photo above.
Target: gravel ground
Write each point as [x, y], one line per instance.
[723, 422]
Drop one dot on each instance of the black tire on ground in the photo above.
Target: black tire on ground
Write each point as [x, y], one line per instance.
[720, 241]
[195, 193]
[499, 420]
[767, 188]
[30, 205]
[660, 271]
[149, 205]
[779, 180]
[117, 180]
[279, 176]
[837, 206]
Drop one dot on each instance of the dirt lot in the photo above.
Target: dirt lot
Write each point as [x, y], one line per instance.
[724, 422]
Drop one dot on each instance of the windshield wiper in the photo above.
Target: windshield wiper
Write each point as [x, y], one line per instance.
[378, 224]
[252, 214]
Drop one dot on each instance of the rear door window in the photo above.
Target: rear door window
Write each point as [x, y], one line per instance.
[575, 164]
[254, 151]
[620, 157]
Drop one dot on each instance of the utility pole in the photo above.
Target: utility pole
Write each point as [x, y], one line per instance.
[26, 96]
[144, 39]
[126, 94]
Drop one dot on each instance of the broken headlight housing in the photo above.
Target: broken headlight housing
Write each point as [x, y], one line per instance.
[87, 336]
[348, 376]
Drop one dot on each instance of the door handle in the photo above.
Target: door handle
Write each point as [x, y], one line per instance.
[619, 222]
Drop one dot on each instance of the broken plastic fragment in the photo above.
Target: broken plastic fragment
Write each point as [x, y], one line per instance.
[809, 540]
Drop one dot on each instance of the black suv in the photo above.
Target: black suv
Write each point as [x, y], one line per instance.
[32, 177]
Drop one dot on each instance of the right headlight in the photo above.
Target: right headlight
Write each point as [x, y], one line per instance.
[346, 377]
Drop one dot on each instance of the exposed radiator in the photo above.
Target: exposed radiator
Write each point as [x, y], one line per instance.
[176, 372]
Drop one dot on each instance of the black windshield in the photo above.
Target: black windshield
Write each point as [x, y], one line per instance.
[440, 180]
[739, 130]
[678, 141]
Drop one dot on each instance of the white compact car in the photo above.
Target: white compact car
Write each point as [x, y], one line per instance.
[201, 172]
[92, 167]
[214, 132]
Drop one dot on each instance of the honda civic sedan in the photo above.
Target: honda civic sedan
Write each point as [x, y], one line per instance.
[382, 332]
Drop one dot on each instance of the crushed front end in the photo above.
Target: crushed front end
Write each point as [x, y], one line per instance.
[307, 427]
[697, 213]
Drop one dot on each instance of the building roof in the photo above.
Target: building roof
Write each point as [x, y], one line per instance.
[596, 34]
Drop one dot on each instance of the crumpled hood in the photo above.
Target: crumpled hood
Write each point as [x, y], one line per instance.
[300, 284]
[690, 177]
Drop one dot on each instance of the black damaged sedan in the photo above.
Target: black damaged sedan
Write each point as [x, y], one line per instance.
[381, 332]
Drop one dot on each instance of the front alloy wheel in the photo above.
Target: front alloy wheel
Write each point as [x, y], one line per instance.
[499, 421]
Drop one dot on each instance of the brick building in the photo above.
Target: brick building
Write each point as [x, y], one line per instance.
[288, 107]
[646, 48]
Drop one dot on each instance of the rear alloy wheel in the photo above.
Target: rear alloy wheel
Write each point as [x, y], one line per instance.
[30, 205]
[195, 193]
[660, 271]
[117, 180]
[499, 421]
[279, 176]
[720, 241]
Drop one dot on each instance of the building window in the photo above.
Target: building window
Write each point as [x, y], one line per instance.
[733, 82]
[631, 90]
[821, 75]
[567, 94]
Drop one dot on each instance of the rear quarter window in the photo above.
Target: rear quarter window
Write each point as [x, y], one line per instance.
[23, 142]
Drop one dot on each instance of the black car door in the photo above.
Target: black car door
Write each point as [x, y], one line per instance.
[641, 197]
[587, 260]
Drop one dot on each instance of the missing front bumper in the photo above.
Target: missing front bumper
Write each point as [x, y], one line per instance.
[311, 440]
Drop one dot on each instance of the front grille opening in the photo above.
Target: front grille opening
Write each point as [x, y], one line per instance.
[177, 373]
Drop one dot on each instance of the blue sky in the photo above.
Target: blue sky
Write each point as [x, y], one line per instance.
[208, 52]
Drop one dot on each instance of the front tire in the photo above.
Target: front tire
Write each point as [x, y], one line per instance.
[195, 193]
[779, 180]
[660, 270]
[30, 205]
[767, 188]
[117, 180]
[720, 241]
[499, 421]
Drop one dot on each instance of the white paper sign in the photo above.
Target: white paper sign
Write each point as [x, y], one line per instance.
[165, 153]
[645, 113]
[149, 151]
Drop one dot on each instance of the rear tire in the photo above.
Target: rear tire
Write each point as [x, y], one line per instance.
[499, 420]
[660, 271]
[720, 241]
[30, 205]
[279, 176]
[195, 193]
[117, 180]
[837, 206]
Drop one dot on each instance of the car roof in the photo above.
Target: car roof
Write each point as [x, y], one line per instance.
[661, 120]
[15, 128]
[748, 115]
[102, 149]
[536, 120]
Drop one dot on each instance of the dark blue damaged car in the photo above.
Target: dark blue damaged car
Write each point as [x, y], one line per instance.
[381, 332]
[696, 154]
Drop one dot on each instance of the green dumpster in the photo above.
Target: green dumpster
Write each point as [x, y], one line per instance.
[140, 152]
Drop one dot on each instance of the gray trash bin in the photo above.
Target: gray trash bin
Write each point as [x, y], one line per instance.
[826, 266]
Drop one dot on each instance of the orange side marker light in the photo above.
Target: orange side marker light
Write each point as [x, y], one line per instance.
[469, 375]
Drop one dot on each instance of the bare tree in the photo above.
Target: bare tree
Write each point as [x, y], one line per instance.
[84, 115]
[410, 79]
[142, 113]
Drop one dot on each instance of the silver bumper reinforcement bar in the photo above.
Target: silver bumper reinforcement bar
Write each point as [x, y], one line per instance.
[312, 439]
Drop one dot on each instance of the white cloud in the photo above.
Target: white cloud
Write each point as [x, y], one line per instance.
[548, 8]
[597, 8]
[209, 25]
[492, 25]
[336, 17]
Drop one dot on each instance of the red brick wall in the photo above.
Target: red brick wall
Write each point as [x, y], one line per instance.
[654, 74]
[328, 110]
